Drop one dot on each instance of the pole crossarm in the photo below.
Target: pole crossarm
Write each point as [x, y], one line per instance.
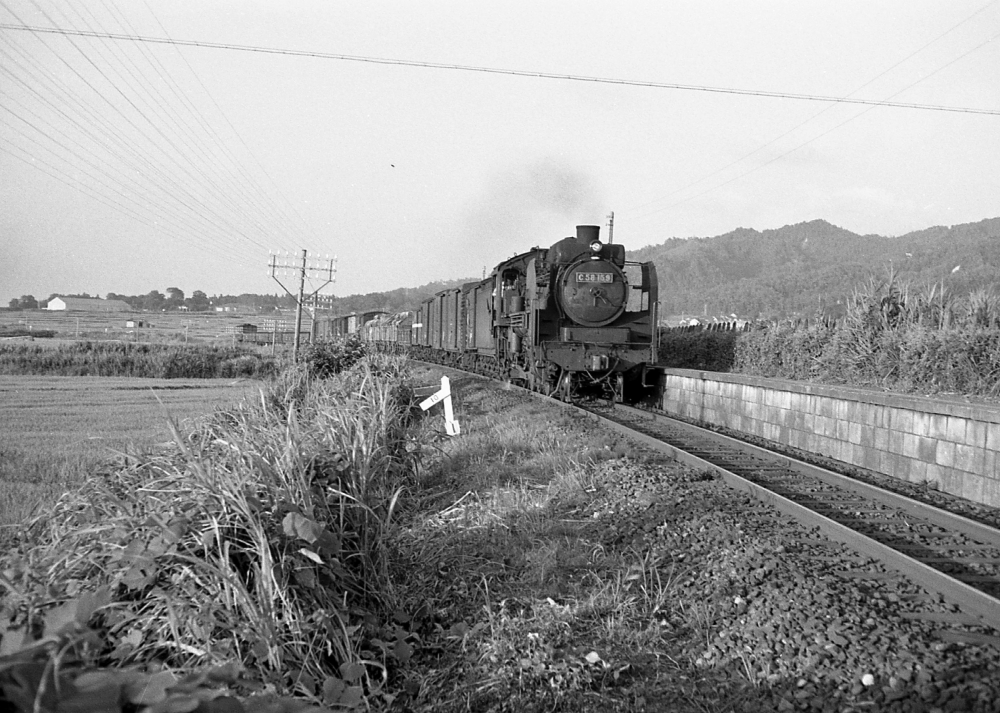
[326, 269]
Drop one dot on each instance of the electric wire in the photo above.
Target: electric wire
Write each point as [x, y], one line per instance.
[135, 210]
[209, 213]
[163, 110]
[86, 130]
[190, 124]
[287, 210]
[807, 142]
[814, 116]
[60, 175]
[498, 70]
[177, 184]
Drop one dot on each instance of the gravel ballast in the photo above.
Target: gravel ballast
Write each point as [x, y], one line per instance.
[787, 606]
[636, 584]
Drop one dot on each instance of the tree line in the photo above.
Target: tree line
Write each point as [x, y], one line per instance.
[173, 298]
[170, 300]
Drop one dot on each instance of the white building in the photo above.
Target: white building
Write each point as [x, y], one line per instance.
[86, 304]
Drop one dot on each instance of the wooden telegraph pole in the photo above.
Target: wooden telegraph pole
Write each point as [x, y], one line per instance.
[325, 268]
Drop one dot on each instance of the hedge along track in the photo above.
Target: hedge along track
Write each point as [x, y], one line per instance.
[945, 553]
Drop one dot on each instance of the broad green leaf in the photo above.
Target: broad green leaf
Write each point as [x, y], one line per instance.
[95, 679]
[176, 530]
[90, 602]
[135, 550]
[333, 688]
[62, 616]
[311, 555]
[305, 577]
[136, 578]
[328, 544]
[260, 649]
[133, 638]
[297, 525]
[402, 650]
[227, 673]
[352, 671]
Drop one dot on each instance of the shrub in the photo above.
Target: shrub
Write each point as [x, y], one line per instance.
[697, 348]
[324, 359]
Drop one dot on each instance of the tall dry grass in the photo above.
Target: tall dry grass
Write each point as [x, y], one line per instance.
[257, 539]
[893, 336]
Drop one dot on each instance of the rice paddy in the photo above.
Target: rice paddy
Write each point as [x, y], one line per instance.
[55, 430]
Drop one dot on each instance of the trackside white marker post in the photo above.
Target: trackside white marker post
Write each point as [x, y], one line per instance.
[451, 426]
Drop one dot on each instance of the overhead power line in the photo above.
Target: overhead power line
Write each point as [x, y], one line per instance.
[814, 116]
[498, 70]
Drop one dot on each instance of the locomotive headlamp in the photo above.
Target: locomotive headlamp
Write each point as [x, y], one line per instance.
[595, 247]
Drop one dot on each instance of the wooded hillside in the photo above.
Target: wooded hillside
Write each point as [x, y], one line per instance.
[814, 266]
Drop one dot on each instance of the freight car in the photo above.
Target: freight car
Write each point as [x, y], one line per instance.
[345, 325]
[571, 320]
[393, 332]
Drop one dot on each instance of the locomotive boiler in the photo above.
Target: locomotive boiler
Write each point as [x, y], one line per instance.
[576, 318]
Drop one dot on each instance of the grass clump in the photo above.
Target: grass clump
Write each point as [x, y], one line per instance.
[159, 361]
[257, 540]
[893, 336]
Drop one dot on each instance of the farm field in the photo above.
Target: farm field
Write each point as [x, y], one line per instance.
[169, 327]
[54, 430]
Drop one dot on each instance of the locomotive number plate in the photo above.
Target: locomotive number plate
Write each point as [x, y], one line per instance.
[594, 277]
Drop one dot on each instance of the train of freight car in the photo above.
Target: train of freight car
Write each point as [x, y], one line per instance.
[572, 320]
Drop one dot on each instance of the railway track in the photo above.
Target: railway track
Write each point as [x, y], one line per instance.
[945, 553]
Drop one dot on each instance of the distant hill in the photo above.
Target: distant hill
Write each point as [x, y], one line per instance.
[795, 270]
[810, 267]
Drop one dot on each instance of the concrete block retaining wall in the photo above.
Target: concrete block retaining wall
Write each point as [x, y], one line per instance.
[948, 444]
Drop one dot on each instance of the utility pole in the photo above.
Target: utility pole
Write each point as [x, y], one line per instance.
[325, 268]
[298, 309]
[611, 228]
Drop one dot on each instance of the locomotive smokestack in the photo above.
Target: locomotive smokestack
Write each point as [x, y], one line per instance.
[588, 233]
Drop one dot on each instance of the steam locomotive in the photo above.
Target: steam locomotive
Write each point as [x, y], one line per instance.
[571, 320]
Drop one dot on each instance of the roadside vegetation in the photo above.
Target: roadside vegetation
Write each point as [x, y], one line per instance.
[91, 358]
[256, 542]
[893, 336]
[321, 546]
[57, 431]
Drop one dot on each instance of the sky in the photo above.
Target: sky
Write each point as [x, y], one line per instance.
[128, 166]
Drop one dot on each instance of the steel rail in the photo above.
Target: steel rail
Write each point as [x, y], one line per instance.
[983, 607]
[970, 600]
[941, 518]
